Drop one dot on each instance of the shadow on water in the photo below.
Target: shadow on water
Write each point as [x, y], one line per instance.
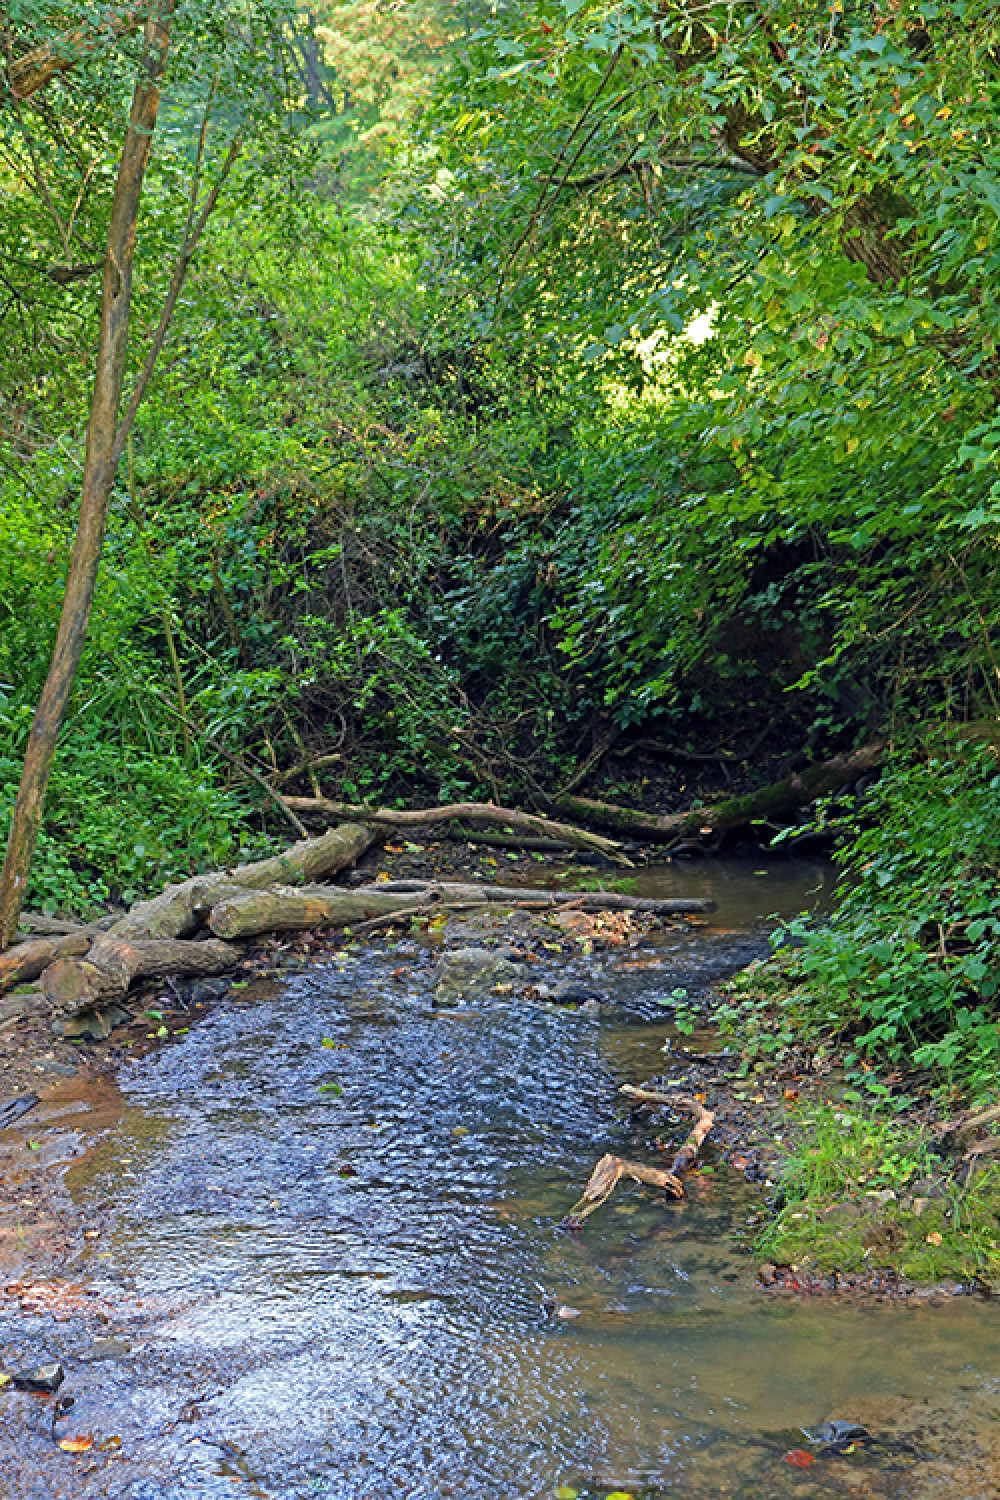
[337, 1215]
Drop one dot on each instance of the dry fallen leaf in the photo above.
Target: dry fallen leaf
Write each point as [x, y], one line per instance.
[81, 1444]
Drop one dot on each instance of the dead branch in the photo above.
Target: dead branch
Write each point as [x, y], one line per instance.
[473, 812]
[610, 1170]
[962, 1125]
[456, 892]
[509, 840]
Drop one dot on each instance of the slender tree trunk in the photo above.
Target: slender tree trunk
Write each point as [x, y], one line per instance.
[98, 475]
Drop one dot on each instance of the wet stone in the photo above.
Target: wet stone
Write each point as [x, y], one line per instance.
[472, 974]
[44, 1377]
[57, 1069]
[92, 1025]
[571, 992]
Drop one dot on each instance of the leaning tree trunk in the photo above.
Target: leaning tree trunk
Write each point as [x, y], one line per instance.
[768, 804]
[98, 473]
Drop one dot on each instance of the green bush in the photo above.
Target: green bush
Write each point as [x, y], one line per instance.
[910, 958]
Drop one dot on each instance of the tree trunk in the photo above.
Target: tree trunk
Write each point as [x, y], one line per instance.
[98, 473]
[776, 801]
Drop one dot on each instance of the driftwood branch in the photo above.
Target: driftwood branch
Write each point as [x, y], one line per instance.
[472, 812]
[610, 1170]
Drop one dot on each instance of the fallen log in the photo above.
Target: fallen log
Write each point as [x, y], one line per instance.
[280, 909]
[238, 913]
[180, 909]
[458, 892]
[114, 964]
[471, 812]
[768, 804]
[35, 924]
[510, 840]
[25, 961]
[146, 942]
[610, 1170]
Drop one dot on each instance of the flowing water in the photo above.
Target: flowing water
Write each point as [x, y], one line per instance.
[333, 1222]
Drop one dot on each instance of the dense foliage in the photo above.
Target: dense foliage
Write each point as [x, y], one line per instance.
[603, 368]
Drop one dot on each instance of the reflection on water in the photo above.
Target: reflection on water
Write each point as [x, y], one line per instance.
[747, 889]
[350, 1283]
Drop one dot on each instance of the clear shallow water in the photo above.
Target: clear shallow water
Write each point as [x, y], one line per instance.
[347, 1286]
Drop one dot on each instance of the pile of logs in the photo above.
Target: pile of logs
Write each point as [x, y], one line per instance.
[199, 926]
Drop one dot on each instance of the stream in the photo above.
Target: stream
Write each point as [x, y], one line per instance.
[330, 1222]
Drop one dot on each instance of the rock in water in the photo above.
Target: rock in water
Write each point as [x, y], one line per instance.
[472, 974]
[571, 992]
[47, 1377]
[838, 1433]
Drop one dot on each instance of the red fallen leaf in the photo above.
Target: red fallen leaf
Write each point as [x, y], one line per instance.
[799, 1458]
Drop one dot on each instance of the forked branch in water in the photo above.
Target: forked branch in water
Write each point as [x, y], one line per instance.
[611, 1169]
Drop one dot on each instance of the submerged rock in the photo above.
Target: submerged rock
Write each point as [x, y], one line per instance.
[838, 1433]
[474, 973]
[107, 1348]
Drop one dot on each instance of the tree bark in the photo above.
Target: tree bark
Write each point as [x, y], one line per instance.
[773, 802]
[98, 475]
[25, 961]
